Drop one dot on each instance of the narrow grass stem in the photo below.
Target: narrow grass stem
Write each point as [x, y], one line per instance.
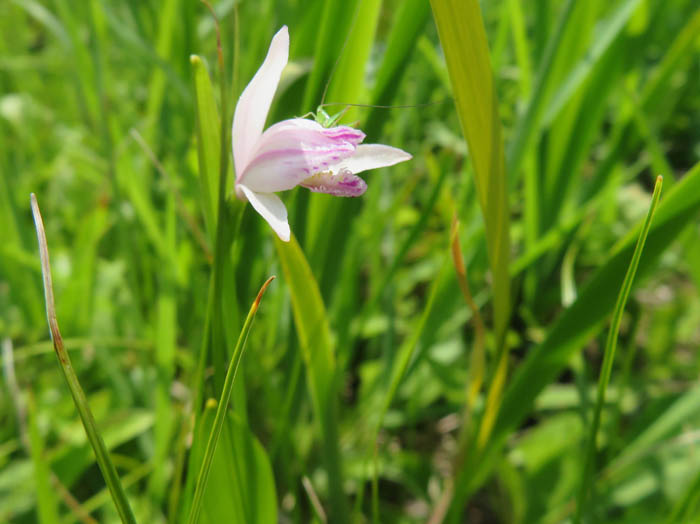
[477, 358]
[107, 468]
[222, 407]
[609, 355]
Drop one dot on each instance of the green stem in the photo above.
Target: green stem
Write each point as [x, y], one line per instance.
[609, 355]
[107, 468]
[222, 407]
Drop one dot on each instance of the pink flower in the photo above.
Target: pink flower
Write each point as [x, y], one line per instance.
[295, 152]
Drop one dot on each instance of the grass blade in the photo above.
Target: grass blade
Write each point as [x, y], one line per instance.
[460, 28]
[583, 319]
[610, 346]
[241, 485]
[109, 472]
[223, 407]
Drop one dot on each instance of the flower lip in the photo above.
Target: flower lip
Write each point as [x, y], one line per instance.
[342, 184]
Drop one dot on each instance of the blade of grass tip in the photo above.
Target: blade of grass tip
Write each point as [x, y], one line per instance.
[223, 406]
[609, 354]
[107, 468]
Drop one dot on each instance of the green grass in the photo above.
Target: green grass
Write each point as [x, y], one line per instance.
[541, 126]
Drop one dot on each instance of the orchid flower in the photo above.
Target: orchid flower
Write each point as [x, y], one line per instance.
[295, 152]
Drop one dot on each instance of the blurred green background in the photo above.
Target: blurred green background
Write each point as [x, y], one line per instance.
[595, 98]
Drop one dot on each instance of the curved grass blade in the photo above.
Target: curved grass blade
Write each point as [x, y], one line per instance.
[107, 468]
[609, 354]
[241, 485]
[582, 320]
[223, 407]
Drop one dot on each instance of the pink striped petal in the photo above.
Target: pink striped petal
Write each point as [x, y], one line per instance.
[372, 156]
[254, 103]
[343, 184]
[293, 150]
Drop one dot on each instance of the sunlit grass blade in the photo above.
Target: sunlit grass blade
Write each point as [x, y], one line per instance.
[609, 353]
[463, 39]
[241, 485]
[222, 408]
[314, 334]
[109, 472]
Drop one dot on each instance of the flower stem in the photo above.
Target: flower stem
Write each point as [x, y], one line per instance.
[107, 468]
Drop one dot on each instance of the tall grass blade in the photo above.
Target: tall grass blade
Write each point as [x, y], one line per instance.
[108, 470]
[314, 334]
[464, 43]
[222, 407]
[609, 354]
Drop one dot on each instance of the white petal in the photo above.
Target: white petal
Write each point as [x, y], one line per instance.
[271, 209]
[371, 156]
[254, 103]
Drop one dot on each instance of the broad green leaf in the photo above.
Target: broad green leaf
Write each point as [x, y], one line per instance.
[314, 333]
